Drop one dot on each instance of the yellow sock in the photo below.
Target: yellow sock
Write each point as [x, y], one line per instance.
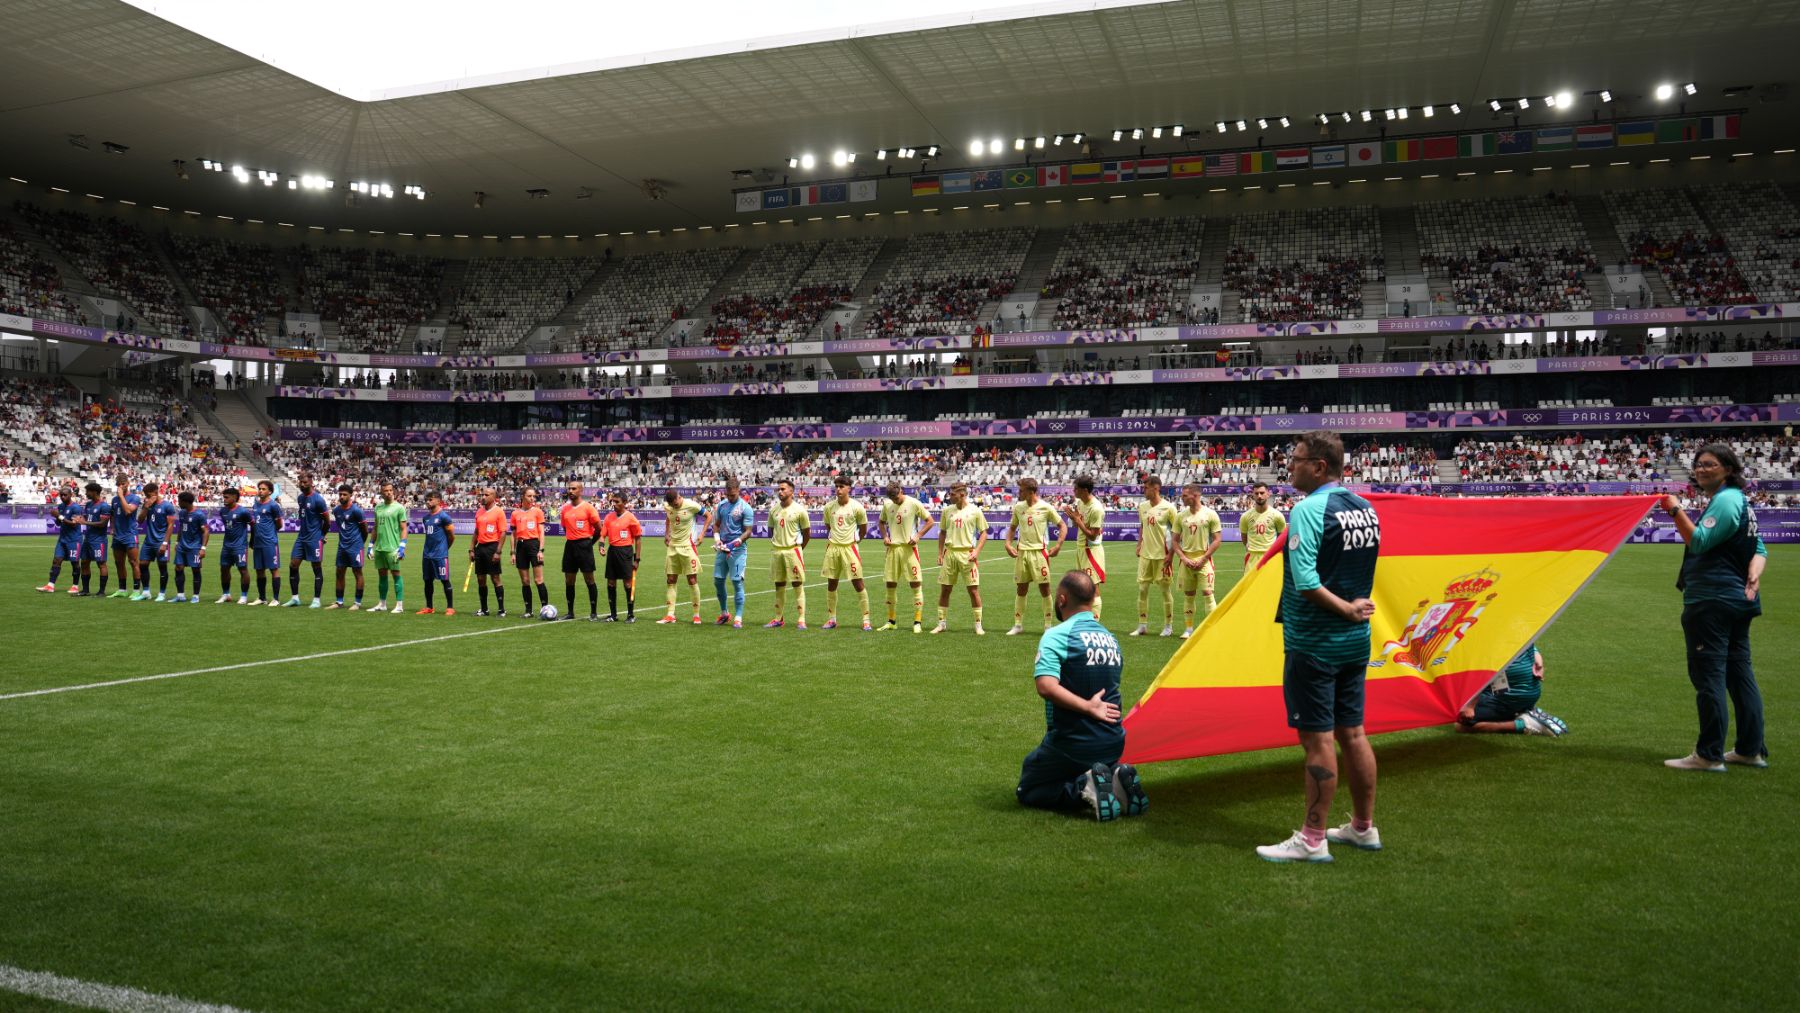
[1187, 610]
[830, 604]
[1168, 594]
[1018, 610]
[890, 605]
[978, 617]
[695, 587]
[1143, 604]
[1096, 606]
[863, 597]
[1049, 612]
[1211, 603]
[918, 604]
[800, 603]
[943, 613]
[780, 601]
[669, 598]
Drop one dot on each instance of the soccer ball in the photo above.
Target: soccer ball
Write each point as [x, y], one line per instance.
[548, 612]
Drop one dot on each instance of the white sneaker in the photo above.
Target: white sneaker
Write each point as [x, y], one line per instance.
[1016, 630]
[178, 599]
[252, 604]
[1168, 631]
[1187, 633]
[979, 631]
[222, 599]
[940, 627]
[378, 607]
[315, 604]
[274, 603]
[354, 607]
[1693, 761]
[1535, 725]
[399, 607]
[293, 602]
[160, 597]
[1140, 631]
[1748, 761]
[1367, 840]
[243, 600]
[1294, 849]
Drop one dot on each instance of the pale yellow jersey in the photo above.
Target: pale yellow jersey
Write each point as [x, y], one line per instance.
[847, 522]
[962, 528]
[1197, 528]
[679, 523]
[903, 519]
[1261, 529]
[1032, 523]
[788, 524]
[1092, 515]
[1153, 521]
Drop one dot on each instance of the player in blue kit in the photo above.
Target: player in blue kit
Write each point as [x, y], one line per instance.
[191, 536]
[156, 519]
[238, 520]
[265, 545]
[68, 542]
[96, 517]
[353, 535]
[125, 506]
[309, 544]
[440, 534]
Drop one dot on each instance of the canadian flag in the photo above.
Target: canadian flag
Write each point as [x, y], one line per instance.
[1051, 175]
[1366, 153]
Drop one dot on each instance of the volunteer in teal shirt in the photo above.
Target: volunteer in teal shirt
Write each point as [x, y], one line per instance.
[1721, 574]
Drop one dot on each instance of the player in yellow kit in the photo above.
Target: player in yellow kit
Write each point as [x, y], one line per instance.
[1260, 525]
[1199, 534]
[962, 531]
[1027, 541]
[847, 520]
[1156, 516]
[903, 523]
[681, 551]
[1088, 517]
[790, 528]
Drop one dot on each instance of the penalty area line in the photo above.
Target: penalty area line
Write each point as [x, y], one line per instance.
[271, 661]
[89, 995]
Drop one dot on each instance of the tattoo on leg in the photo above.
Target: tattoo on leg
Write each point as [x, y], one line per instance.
[1320, 780]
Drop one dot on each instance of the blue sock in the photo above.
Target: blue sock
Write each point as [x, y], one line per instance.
[719, 588]
[738, 596]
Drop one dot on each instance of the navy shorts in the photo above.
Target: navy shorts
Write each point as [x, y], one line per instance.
[1047, 777]
[1492, 706]
[1321, 698]
[268, 557]
[349, 560]
[93, 552]
[185, 556]
[152, 552]
[66, 550]
[234, 557]
[435, 569]
[124, 548]
[308, 550]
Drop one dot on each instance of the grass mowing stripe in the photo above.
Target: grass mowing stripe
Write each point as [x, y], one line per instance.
[88, 995]
[266, 661]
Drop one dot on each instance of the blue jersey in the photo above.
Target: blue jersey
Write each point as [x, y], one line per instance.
[732, 520]
[437, 535]
[96, 511]
[352, 528]
[124, 517]
[190, 529]
[315, 516]
[1084, 656]
[156, 526]
[1334, 539]
[268, 523]
[238, 521]
[68, 523]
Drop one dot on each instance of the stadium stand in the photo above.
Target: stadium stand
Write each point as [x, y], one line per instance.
[1124, 274]
[239, 282]
[1662, 230]
[502, 298]
[1304, 265]
[1523, 255]
[1762, 228]
[120, 260]
[377, 298]
[30, 285]
[941, 281]
[642, 295]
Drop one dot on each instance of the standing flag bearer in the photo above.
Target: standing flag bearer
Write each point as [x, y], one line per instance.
[490, 528]
[904, 521]
[158, 523]
[1088, 517]
[681, 551]
[1156, 516]
[238, 520]
[1027, 542]
[790, 529]
[440, 534]
[390, 549]
[309, 544]
[962, 531]
[353, 536]
[528, 551]
[265, 544]
[68, 542]
[847, 520]
[124, 515]
[1198, 537]
[191, 538]
[624, 547]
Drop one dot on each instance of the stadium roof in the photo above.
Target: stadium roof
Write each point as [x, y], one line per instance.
[88, 72]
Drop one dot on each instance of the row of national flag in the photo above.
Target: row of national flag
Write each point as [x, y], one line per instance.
[1333, 156]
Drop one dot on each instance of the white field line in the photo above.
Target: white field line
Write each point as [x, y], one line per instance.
[88, 995]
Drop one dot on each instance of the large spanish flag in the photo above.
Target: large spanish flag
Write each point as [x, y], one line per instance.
[1461, 587]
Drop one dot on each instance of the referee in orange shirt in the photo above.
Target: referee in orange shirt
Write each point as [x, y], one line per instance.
[580, 524]
[490, 528]
[528, 549]
[624, 541]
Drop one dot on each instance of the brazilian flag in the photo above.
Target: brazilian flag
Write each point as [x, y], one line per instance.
[1019, 179]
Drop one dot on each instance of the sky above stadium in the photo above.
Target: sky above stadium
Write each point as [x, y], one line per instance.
[395, 48]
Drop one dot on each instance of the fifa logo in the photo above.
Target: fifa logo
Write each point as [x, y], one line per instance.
[1435, 628]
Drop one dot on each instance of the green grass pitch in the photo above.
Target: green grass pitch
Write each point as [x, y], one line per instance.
[576, 816]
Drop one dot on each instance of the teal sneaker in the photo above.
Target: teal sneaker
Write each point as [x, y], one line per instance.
[1095, 788]
[1129, 791]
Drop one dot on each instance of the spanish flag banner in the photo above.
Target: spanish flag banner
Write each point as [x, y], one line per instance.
[1462, 585]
